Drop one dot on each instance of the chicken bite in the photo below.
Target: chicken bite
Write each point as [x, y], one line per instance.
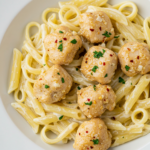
[52, 85]
[94, 100]
[134, 58]
[62, 45]
[99, 64]
[93, 135]
[96, 27]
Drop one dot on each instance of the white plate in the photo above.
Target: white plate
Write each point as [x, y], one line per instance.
[14, 37]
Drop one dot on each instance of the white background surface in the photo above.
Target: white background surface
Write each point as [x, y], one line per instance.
[12, 138]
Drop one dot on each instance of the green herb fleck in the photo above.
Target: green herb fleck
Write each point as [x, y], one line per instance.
[79, 48]
[131, 83]
[60, 41]
[61, 117]
[61, 32]
[91, 73]
[60, 47]
[127, 68]
[90, 103]
[94, 68]
[105, 75]
[95, 141]
[77, 69]
[116, 37]
[107, 34]
[74, 41]
[58, 73]
[62, 80]
[99, 54]
[69, 103]
[78, 88]
[104, 51]
[44, 64]
[46, 86]
[123, 137]
[94, 87]
[121, 80]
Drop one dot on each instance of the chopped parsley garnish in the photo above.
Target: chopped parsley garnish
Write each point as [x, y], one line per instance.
[116, 37]
[79, 48]
[78, 88]
[104, 51]
[58, 73]
[94, 87]
[131, 83]
[107, 34]
[74, 41]
[90, 103]
[105, 75]
[123, 137]
[99, 54]
[127, 68]
[95, 141]
[121, 80]
[61, 117]
[94, 68]
[60, 47]
[60, 41]
[44, 64]
[77, 69]
[46, 86]
[61, 32]
[91, 73]
[62, 80]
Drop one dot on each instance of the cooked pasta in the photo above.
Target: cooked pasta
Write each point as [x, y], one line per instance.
[16, 71]
[129, 119]
[140, 116]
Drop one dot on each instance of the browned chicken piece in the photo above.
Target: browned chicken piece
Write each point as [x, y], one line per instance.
[94, 100]
[99, 64]
[134, 58]
[62, 45]
[96, 27]
[52, 85]
[93, 135]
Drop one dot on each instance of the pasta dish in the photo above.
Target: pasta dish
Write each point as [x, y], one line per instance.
[84, 74]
